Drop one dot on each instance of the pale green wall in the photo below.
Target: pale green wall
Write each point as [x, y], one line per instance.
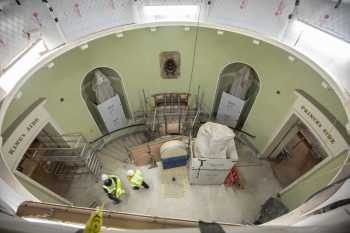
[312, 183]
[136, 59]
[275, 72]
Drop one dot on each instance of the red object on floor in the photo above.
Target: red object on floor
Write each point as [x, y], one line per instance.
[232, 177]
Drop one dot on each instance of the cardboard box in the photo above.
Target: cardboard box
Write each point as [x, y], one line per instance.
[140, 155]
[154, 150]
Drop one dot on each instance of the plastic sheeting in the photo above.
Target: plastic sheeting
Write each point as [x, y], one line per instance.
[230, 109]
[213, 140]
[327, 15]
[102, 87]
[241, 85]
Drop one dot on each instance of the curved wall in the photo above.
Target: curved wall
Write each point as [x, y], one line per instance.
[136, 59]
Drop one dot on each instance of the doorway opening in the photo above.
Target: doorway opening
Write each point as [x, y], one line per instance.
[236, 92]
[104, 95]
[298, 152]
[53, 161]
[35, 166]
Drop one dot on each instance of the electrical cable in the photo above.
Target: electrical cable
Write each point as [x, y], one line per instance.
[195, 48]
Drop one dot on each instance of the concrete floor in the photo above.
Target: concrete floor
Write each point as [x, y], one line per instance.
[179, 199]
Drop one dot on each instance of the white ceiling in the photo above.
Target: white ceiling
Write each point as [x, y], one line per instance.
[77, 19]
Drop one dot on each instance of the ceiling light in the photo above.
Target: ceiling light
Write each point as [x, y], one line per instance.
[84, 46]
[50, 65]
[256, 42]
[19, 95]
[24, 63]
[324, 84]
[313, 38]
[119, 35]
[171, 12]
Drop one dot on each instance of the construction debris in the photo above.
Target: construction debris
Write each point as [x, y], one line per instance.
[271, 209]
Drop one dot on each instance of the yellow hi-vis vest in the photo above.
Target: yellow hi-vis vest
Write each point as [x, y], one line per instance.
[137, 179]
[116, 188]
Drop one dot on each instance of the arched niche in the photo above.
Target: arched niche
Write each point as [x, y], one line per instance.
[109, 86]
[240, 81]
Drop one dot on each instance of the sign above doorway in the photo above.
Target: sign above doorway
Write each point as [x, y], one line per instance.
[320, 125]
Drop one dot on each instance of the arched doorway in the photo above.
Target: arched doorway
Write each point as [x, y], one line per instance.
[237, 89]
[103, 92]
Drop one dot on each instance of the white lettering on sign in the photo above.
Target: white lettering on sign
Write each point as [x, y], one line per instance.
[23, 133]
[21, 138]
[313, 118]
[320, 125]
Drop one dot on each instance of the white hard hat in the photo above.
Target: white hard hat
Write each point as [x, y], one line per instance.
[104, 177]
[130, 172]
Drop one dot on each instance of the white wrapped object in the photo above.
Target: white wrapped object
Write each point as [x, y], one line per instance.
[213, 140]
[173, 148]
[102, 87]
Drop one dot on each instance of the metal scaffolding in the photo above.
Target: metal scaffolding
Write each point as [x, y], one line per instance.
[171, 114]
[67, 155]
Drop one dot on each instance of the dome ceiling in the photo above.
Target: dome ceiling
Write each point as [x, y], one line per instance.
[24, 21]
[62, 22]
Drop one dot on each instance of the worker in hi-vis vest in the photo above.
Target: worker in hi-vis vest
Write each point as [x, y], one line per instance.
[136, 179]
[112, 185]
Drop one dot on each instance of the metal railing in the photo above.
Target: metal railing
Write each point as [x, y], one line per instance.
[67, 155]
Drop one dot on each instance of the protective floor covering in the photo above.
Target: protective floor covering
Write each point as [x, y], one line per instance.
[179, 199]
[173, 182]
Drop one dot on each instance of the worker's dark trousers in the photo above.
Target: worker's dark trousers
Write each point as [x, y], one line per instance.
[115, 199]
[144, 184]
